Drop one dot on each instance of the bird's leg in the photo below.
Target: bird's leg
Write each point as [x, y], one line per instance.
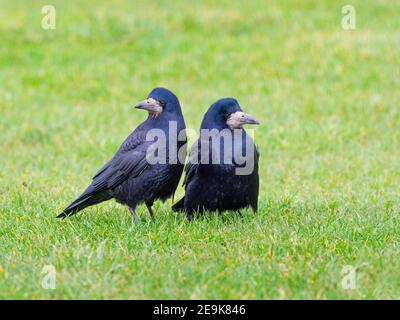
[150, 210]
[134, 216]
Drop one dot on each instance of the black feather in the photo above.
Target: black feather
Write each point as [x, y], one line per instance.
[128, 177]
[217, 186]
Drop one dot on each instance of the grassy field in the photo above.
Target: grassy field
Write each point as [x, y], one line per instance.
[328, 100]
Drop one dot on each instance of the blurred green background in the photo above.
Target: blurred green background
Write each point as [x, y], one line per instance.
[328, 101]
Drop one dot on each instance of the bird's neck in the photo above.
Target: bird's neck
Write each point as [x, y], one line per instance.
[164, 121]
[214, 123]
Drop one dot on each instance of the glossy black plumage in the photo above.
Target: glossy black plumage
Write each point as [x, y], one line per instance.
[128, 177]
[218, 187]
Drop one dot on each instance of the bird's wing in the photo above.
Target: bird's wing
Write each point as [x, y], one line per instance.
[192, 163]
[129, 161]
[257, 151]
[130, 164]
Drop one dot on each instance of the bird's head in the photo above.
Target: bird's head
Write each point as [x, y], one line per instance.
[226, 113]
[160, 101]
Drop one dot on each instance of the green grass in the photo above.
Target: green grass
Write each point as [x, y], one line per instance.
[328, 100]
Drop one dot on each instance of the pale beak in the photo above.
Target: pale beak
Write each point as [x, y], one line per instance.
[237, 119]
[151, 105]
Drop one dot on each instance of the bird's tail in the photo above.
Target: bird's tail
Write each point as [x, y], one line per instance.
[85, 200]
[179, 206]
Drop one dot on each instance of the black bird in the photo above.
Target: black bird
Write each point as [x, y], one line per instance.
[225, 183]
[129, 177]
